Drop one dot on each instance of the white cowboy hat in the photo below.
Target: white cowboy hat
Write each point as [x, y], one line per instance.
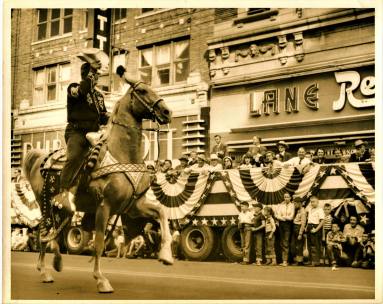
[359, 142]
[92, 54]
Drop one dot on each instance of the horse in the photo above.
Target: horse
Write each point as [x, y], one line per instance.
[107, 193]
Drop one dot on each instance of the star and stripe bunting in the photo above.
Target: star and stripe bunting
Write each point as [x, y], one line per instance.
[208, 199]
[24, 207]
[181, 198]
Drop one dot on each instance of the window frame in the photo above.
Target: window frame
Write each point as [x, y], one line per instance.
[58, 83]
[119, 20]
[155, 79]
[49, 21]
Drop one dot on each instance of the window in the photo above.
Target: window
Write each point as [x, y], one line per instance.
[146, 10]
[84, 19]
[165, 64]
[119, 13]
[53, 22]
[224, 14]
[253, 11]
[51, 83]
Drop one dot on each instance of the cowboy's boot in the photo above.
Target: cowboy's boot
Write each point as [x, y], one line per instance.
[65, 200]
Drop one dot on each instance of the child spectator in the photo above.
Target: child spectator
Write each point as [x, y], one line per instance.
[334, 240]
[258, 228]
[192, 158]
[120, 242]
[353, 233]
[299, 222]
[370, 251]
[246, 162]
[327, 221]
[363, 248]
[285, 214]
[135, 246]
[315, 217]
[245, 220]
[257, 152]
[269, 236]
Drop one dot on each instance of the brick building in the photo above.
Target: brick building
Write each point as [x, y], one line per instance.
[273, 72]
[164, 47]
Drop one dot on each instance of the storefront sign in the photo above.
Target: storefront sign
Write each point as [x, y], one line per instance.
[288, 99]
[101, 33]
[261, 102]
[367, 88]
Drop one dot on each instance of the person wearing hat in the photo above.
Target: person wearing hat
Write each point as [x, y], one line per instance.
[283, 155]
[299, 225]
[86, 112]
[201, 165]
[183, 165]
[215, 164]
[361, 153]
[228, 162]
[219, 148]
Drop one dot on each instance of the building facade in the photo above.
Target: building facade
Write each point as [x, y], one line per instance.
[163, 47]
[305, 76]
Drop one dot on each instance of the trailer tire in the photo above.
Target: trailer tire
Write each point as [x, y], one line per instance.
[231, 244]
[77, 240]
[197, 242]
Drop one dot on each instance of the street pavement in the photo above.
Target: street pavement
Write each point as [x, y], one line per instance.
[150, 280]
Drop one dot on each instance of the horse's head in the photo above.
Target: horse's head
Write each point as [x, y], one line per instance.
[143, 102]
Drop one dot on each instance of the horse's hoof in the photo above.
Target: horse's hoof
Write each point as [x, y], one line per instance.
[166, 257]
[104, 287]
[58, 263]
[166, 262]
[47, 278]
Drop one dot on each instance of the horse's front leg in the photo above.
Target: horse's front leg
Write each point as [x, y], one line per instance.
[165, 255]
[46, 277]
[102, 215]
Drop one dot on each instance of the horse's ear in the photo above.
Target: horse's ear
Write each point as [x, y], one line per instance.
[121, 72]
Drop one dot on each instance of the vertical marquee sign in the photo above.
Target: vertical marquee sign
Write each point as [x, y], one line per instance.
[101, 32]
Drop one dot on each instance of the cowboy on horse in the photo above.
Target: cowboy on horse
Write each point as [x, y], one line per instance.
[86, 112]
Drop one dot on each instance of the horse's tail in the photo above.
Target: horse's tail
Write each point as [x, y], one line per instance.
[30, 160]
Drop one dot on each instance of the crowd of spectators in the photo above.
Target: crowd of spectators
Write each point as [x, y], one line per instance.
[259, 156]
[294, 229]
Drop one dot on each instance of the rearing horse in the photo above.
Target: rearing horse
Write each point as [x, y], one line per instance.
[109, 191]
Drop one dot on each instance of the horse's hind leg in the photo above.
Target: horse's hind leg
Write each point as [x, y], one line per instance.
[57, 260]
[102, 215]
[46, 277]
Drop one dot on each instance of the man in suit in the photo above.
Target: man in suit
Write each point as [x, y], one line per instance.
[283, 155]
[86, 111]
[219, 148]
[361, 154]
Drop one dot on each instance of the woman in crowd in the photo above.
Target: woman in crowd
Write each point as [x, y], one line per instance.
[228, 163]
[246, 161]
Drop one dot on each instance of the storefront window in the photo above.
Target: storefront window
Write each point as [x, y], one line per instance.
[165, 64]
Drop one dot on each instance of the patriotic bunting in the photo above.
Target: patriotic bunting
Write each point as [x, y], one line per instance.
[24, 208]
